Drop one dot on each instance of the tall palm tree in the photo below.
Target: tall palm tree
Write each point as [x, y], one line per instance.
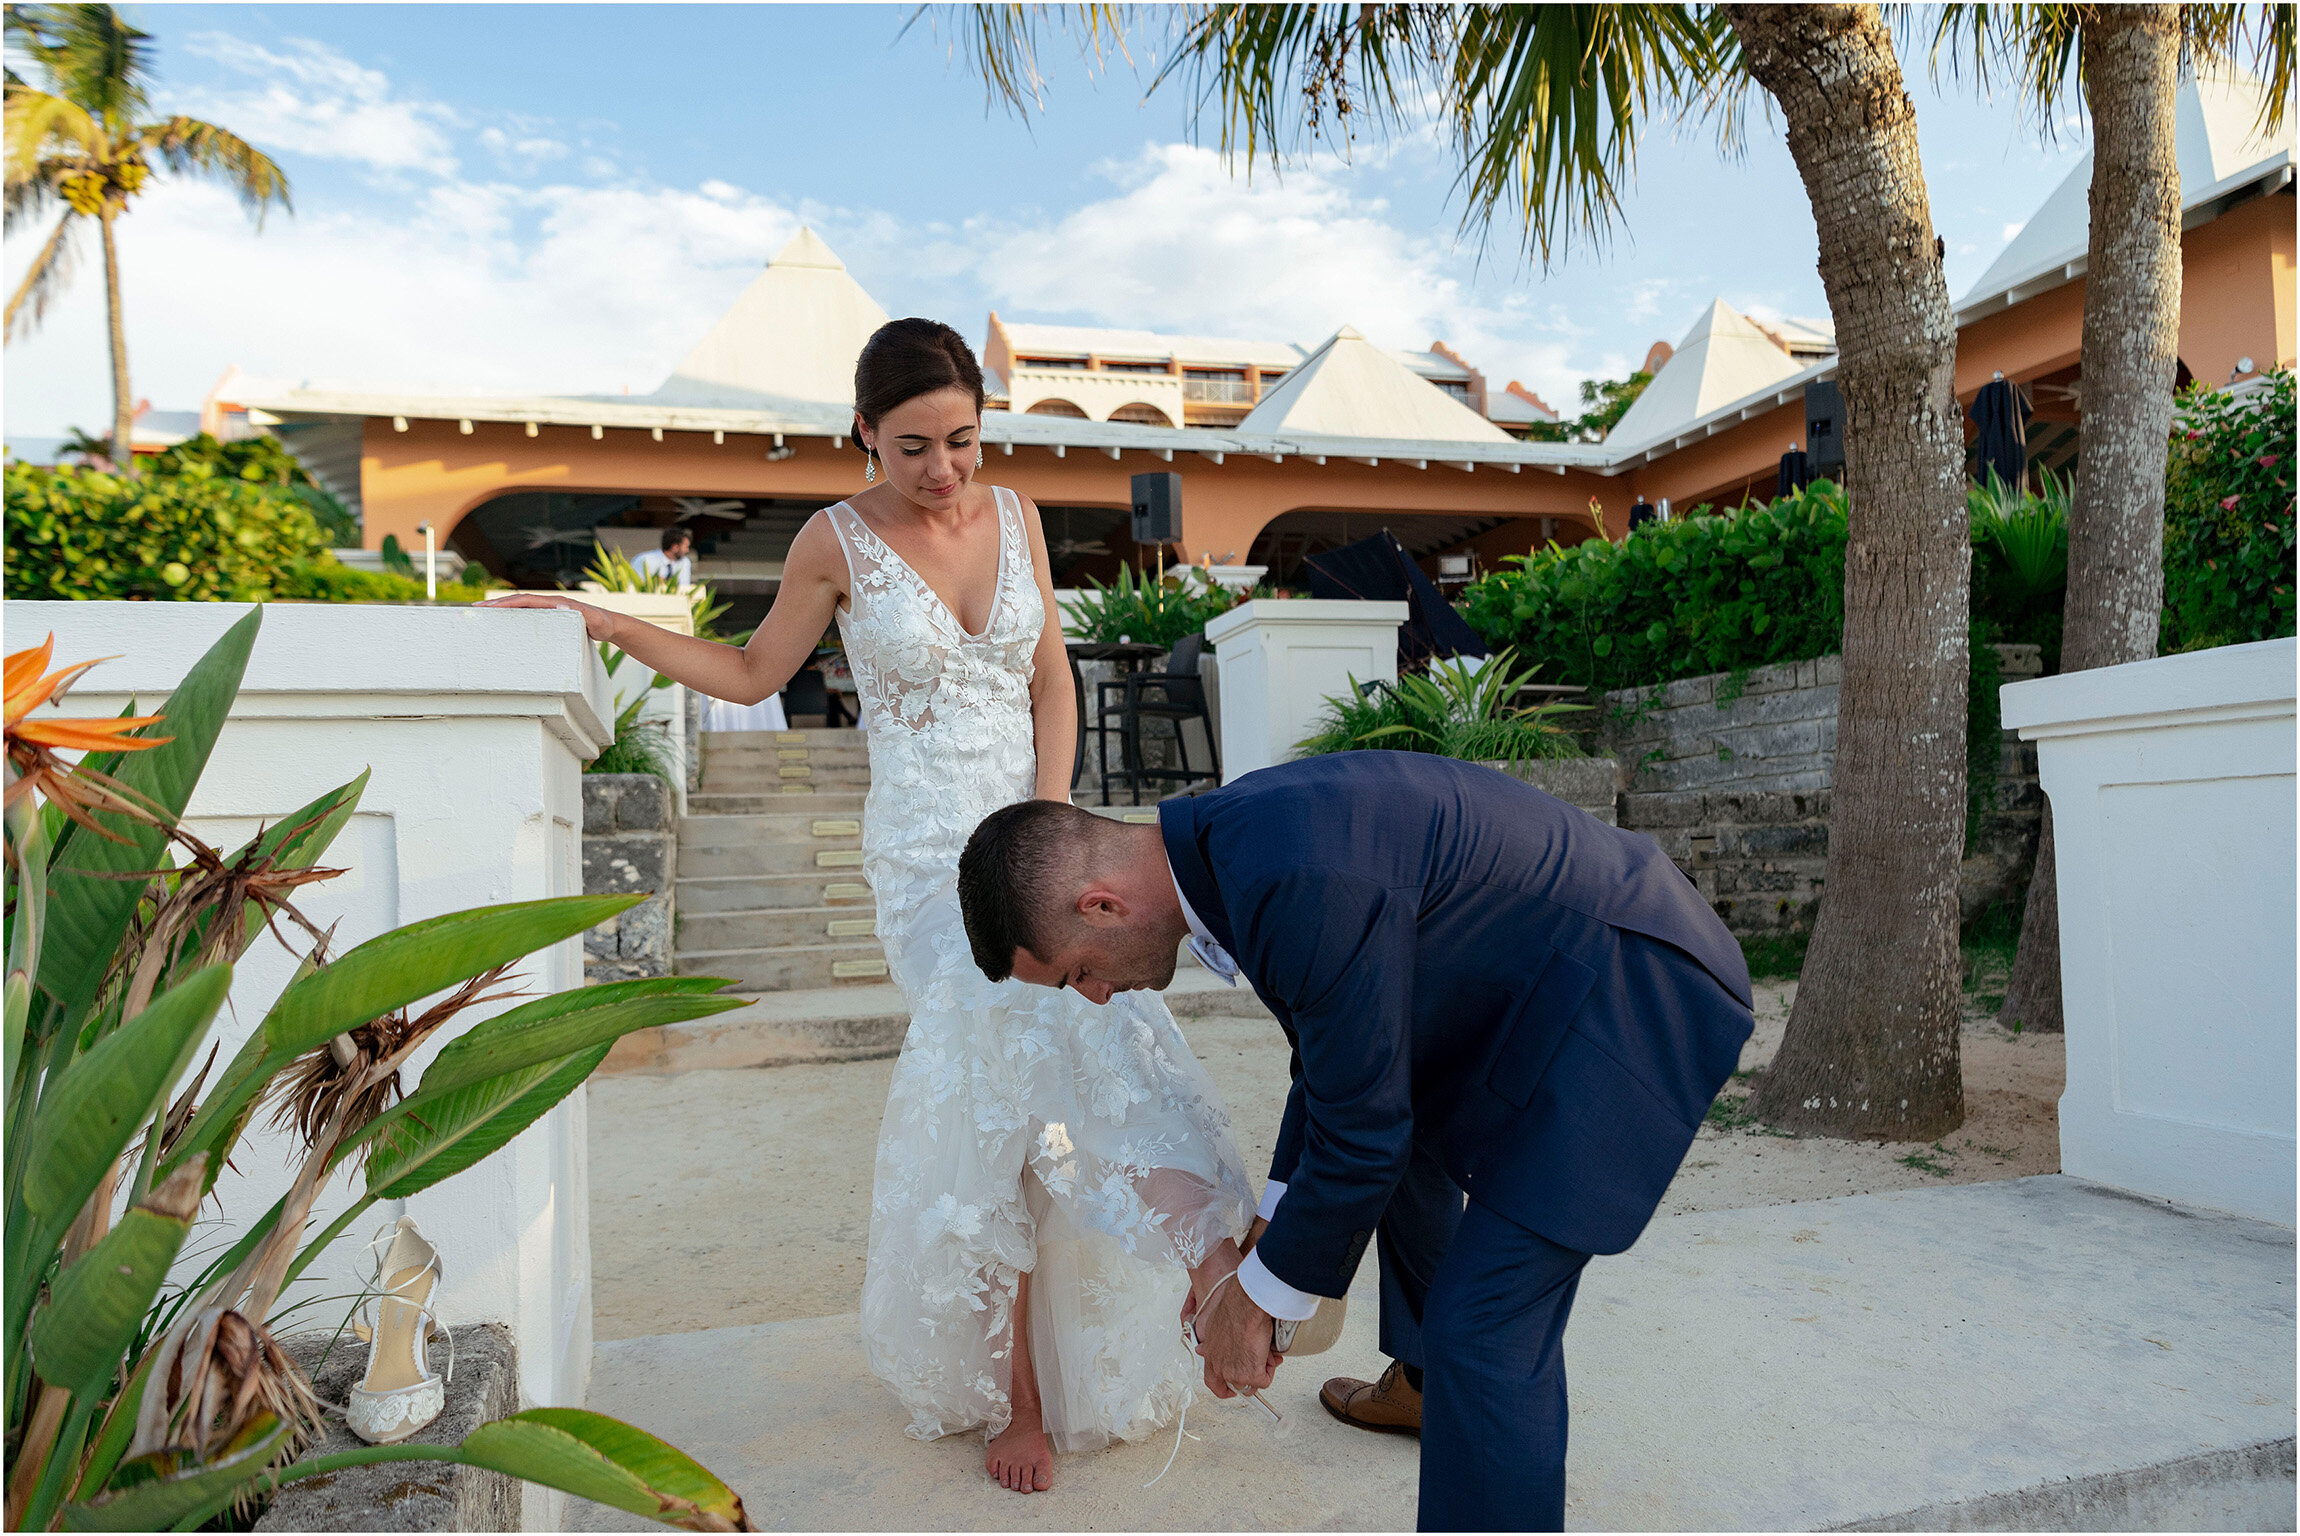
[82, 142]
[2127, 60]
[1545, 104]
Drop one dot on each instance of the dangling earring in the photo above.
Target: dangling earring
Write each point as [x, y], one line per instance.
[978, 456]
[870, 466]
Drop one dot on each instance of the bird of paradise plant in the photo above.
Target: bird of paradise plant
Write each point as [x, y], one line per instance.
[134, 1405]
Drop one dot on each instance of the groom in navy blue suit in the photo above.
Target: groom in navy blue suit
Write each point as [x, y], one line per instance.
[1482, 985]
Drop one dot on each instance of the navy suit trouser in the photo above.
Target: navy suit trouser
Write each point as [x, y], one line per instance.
[1416, 1228]
[1493, 1379]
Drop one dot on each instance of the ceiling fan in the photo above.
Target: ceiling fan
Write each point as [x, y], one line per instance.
[1065, 548]
[692, 507]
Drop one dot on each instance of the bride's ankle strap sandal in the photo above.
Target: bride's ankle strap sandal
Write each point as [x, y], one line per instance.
[399, 1394]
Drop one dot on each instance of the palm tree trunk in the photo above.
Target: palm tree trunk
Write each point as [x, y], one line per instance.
[1871, 1047]
[123, 404]
[2131, 60]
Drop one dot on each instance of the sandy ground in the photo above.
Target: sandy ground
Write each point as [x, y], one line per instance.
[722, 1198]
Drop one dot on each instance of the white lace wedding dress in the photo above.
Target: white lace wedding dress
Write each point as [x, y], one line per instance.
[1026, 1129]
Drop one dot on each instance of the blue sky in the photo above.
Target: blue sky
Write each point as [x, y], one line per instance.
[562, 198]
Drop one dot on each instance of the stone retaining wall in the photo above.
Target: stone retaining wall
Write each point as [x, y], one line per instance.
[1731, 776]
[630, 843]
[1586, 782]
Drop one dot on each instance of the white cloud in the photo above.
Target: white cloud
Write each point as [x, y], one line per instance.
[312, 100]
[526, 152]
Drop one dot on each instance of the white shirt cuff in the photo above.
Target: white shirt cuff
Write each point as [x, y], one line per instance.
[1272, 1294]
[1272, 1192]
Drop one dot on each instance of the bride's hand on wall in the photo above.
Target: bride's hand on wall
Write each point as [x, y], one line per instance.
[598, 623]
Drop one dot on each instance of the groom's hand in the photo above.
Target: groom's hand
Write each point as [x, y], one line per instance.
[1233, 1333]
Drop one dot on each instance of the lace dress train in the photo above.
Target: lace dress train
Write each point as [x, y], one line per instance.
[1025, 1129]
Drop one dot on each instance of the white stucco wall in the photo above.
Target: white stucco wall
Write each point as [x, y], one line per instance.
[2171, 784]
[476, 725]
[1280, 660]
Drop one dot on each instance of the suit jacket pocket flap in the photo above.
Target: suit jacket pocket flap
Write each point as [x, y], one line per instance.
[1537, 1025]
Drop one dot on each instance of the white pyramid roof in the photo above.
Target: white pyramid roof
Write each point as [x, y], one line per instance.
[1351, 388]
[1724, 358]
[789, 341]
[2214, 138]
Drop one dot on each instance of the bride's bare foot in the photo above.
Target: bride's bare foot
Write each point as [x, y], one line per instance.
[1020, 1457]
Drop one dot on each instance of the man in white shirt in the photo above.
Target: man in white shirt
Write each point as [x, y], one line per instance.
[675, 559]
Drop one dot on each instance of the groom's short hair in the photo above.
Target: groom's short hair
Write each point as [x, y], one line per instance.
[1012, 876]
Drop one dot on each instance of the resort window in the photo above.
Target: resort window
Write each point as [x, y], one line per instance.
[1078, 363]
[1217, 386]
[1110, 367]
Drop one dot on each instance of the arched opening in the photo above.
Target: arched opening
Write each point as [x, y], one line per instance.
[1056, 408]
[1144, 412]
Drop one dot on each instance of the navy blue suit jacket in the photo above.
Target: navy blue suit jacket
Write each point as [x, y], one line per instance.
[1455, 953]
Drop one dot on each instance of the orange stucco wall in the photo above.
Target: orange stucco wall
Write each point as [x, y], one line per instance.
[435, 471]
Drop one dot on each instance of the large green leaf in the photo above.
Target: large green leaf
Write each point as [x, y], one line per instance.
[89, 907]
[27, 915]
[86, 1118]
[385, 973]
[607, 1460]
[96, 1104]
[413, 962]
[163, 1501]
[550, 1028]
[463, 1127]
[96, 1305]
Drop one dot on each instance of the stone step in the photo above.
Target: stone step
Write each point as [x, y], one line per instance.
[835, 830]
[854, 1022]
[768, 759]
[809, 779]
[840, 888]
[776, 928]
[816, 736]
[794, 799]
[832, 857]
[789, 967]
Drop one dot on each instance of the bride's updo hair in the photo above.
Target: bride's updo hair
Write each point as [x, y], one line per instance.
[907, 358]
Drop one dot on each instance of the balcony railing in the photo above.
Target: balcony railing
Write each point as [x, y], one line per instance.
[1218, 391]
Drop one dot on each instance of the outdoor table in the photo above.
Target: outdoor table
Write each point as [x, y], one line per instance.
[1127, 655]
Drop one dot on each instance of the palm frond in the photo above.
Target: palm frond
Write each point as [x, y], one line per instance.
[190, 146]
[1275, 77]
[90, 55]
[44, 281]
[1002, 42]
[39, 125]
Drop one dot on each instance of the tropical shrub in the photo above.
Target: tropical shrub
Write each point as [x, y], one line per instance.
[261, 460]
[325, 579]
[136, 1405]
[2020, 563]
[199, 534]
[1695, 595]
[1455, 708]
[1158, 610]
[614, 572]
[2228, 514]
[640, 746]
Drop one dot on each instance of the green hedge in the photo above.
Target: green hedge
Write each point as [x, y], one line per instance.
[195, 534]
[2228, 535]
[1684, 598]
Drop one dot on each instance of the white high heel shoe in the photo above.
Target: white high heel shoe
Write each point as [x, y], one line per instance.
[400, 1395]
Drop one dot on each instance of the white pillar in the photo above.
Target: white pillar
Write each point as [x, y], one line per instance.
[476, 724]
[1282, 658]
[2171, 784]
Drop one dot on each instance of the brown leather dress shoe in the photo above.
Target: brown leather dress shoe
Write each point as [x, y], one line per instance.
[1390, 1405]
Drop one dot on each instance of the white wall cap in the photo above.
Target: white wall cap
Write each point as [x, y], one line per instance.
[1304, 610]
[2229, 682]
[349, 660]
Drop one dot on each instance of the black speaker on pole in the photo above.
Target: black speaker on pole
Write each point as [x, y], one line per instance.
[1825, 429]
[1157, 508]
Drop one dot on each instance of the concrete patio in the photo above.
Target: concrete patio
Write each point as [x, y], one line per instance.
[2037, 1353]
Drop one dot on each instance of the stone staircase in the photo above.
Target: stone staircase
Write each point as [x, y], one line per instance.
[771, 892]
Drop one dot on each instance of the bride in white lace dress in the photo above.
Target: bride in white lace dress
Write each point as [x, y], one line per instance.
[1048, 1169]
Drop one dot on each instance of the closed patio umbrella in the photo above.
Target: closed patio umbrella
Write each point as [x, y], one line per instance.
[2002, 415]
[1379, 570]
